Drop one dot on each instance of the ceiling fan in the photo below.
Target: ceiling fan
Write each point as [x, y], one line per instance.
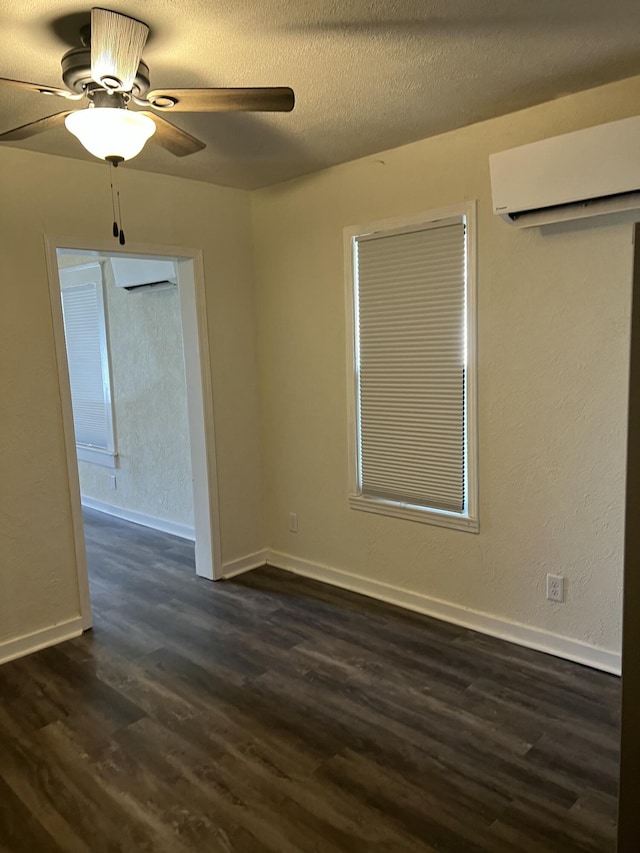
[107, 69]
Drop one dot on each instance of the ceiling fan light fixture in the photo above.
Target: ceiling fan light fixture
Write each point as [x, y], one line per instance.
[110, 133]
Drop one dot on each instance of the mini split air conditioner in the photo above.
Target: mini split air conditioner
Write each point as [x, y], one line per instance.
[585, 173]
[143, 274]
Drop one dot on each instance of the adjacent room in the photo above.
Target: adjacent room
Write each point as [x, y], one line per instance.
[385, 389]
[125, 360]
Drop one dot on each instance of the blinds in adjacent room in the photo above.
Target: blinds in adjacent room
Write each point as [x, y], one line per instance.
[83, 313]
[411, 365]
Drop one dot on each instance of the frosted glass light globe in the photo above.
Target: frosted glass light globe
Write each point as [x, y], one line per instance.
[110, 132]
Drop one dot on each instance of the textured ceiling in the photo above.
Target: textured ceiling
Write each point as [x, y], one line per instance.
[368, 74]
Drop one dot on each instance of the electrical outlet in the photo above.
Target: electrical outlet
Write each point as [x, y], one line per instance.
[555, 588]
[112, 482]
[293, 522]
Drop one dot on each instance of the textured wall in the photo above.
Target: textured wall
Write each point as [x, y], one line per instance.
[150, 405]
[553, 328]
[553, 348]
[50, 195]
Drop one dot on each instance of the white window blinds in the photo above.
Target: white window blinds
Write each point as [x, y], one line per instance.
[411, 365]
[84, 329]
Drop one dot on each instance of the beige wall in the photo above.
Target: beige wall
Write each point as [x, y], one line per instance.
[553, 332]
[553, 349]
[149, 394]
[44, 195]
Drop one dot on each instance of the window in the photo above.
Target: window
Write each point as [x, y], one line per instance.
[87, 357]
[412, 368]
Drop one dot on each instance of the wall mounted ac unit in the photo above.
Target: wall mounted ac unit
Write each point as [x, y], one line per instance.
[585, 173]
[143, 274]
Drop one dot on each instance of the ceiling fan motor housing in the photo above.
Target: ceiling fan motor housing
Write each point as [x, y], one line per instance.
[76, 72]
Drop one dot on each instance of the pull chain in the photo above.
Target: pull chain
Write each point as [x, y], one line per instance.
[118, 231]
[121, 235]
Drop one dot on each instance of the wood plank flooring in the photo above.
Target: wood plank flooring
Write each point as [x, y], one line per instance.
[272, 713]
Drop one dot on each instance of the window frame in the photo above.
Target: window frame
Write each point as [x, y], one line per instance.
[469, 520]
[77, 276]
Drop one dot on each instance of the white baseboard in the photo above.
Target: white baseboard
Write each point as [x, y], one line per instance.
[181, 530]
[244, 564]
[28, 643]
[485, 623]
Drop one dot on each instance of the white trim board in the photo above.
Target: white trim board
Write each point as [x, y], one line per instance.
[28, 643]
[244, 564]
[484, 623]
[184, 531]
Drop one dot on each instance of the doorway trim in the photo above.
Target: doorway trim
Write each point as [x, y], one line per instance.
[191, 292]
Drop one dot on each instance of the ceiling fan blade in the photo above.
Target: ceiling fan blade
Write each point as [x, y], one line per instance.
[117, 42]
[273, 99]
[35, 127]
[173, 138]
[43, 90]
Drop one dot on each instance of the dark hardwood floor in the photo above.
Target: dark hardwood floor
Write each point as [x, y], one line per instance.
[272, 713]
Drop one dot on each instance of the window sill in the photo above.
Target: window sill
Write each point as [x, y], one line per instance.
[106, 458]
[414, 513]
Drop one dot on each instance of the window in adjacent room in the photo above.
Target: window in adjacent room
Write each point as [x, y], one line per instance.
[412, 364]
[88, 360]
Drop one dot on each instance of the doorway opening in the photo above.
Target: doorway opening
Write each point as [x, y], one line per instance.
[132, 350]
